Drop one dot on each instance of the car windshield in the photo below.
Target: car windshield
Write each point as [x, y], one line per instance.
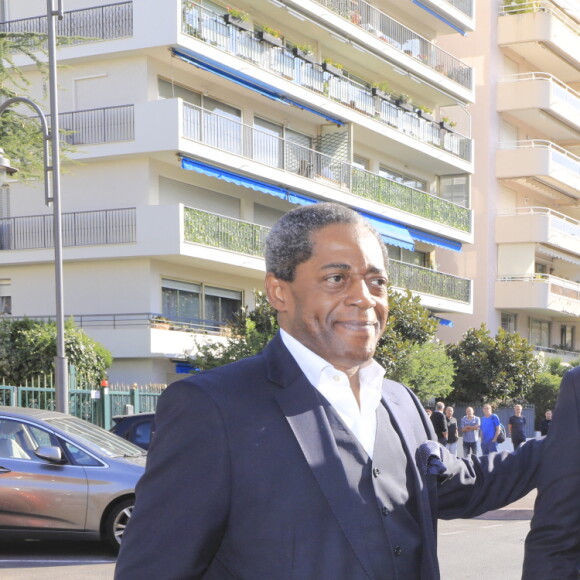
[110, 444]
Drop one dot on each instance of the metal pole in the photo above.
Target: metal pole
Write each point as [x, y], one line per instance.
[60, 362]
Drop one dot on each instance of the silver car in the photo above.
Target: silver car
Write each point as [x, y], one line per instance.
[61, 477]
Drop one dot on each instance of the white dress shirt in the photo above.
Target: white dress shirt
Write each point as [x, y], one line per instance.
[334, 386]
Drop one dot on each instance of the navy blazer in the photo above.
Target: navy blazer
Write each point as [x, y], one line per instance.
[244, 481]
[553, 544]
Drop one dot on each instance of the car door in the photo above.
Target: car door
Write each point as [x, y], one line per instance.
[35, 493]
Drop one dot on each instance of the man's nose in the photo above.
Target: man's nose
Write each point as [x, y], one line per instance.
[360, 295]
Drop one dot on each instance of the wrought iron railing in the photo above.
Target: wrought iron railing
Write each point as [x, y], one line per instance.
[426, 281]
[402, 38]
[465, 6]
[109, 226]
[92, 126]
[233, 136]
[210, 27]
[82, 26]
[227, 233]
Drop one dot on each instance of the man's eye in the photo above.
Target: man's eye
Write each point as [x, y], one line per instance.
[379, 282]
[336, 278]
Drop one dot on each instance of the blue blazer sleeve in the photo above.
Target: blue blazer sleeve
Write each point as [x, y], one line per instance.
[552, 549]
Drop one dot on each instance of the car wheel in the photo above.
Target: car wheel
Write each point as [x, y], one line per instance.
[117, 521]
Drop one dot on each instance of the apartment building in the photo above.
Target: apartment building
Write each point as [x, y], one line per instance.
[526, 259]
[197, 124]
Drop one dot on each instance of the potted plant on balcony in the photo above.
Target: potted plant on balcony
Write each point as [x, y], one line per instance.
[160, 322]
[238, 18]
[405, 103]
[424, 112]
[271, 36]
[334, 68]
[304, 52]
[447, 124]
[382, 90]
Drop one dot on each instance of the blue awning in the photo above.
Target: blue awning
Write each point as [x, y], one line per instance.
[391, 232]
[435, 240]
[248, 83]
[444, 321]
[235, 178]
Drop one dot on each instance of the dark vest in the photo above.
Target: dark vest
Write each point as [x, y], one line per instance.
[383, 490]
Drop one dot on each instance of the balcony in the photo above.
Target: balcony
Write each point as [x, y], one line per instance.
[356, 95]
[394, 34]
[87, 25]
[540, 166]
[543, 102]
[544, 35]
[234, 235]
[86, 228]
[246, 141]
[94, 126]
[545, 295]
[443, 17]
[539, 225]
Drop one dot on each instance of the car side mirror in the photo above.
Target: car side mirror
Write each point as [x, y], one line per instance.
[50, 453]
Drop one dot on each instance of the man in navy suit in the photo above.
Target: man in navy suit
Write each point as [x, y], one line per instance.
[303, 462]
[553, 544]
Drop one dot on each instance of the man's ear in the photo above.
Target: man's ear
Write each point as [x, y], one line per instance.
[276, 292]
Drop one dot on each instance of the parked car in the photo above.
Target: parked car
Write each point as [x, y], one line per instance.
[136, 428]
[62, 477]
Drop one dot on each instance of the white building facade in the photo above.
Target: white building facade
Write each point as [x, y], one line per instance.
[197, 125]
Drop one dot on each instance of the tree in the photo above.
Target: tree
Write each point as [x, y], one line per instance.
[498, 369]
[20, 134]
[28, 348]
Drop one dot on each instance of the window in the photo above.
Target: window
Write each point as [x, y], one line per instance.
[5, 296]
[199, 304]
[407, 180]
[169, 90]
[508, 321]
[540, 333]
[567, 333]
[268, 142]
[408, 257]
[360, 162]
[455, 188]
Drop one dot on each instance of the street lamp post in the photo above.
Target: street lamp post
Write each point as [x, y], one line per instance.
[52, 178]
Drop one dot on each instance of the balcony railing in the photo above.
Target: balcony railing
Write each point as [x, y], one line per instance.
[210, 27]
[561, 91]
[558, 155]
[558, 222]
[81, 26]
[230, 234]
[93, 126]
[426, 281]
[86, 228]
[402, 38]
[465, 6]
[222, 232]
[541, 7]
[558, 286]
[235, 137]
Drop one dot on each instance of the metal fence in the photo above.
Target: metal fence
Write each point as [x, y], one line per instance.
[95, 404]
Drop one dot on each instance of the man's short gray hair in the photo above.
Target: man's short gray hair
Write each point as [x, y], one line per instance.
[289, 242]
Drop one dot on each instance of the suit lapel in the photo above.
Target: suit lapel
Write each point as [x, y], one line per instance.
[303, 410]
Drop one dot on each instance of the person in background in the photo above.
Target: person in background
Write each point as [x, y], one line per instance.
[517, 426]
[552, 548]
[490, 428]
[440, 423]
[452, 435]
[470, 426]
[429, 412]
[545, 423]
